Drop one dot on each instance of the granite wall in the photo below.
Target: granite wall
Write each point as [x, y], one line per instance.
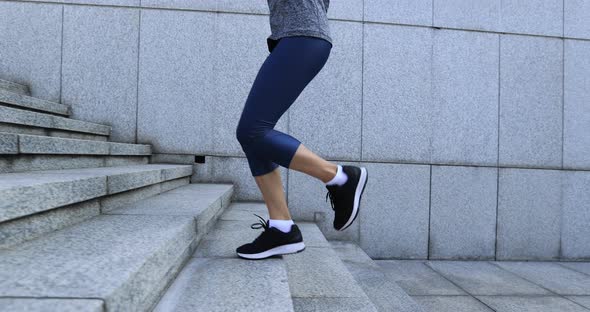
[472, 117]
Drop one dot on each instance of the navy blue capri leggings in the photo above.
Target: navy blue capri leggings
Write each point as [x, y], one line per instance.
[287, 70]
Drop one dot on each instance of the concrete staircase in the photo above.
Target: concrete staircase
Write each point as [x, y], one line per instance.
[92, 225]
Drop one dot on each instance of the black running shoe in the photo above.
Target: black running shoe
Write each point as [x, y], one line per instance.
[346, 198]
[272, 242]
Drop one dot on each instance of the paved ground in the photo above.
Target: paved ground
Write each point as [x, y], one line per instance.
[473, 286]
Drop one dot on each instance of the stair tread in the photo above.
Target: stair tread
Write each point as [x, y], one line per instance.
[385, 294]
[316, 277]
[44, 120]
[39, 144]
[30, 102]
[14, 87]
[25, 193]
[120, 258]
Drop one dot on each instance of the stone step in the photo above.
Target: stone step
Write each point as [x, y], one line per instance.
[27, 193]
[117, 262]
[14, 87]
[32, 103]
[22, 121]
[312, 280]
[385, 294]
[11, 143]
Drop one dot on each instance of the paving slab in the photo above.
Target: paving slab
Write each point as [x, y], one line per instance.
[385, 294]
[213, 284]
[557, 278]
[331, 305]
[581, 300]
[483, 278]
[451, 304]
[416, 278]
[531, 304]
[583, 267]
[62, 305]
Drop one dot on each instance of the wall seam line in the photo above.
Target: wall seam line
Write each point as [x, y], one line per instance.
[137, 76]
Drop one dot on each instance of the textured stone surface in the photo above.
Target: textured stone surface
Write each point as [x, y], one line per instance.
[333, 110]
[417, 279]
[541, 17]
[123, 260]
[32, 130]
[465, 97]
[33, 144]
[15, 87]
[176, 71]
[530, 101]
[346, 9]
[531, 304]
[330, 304]
[576, 110]
[236, 64]
[210, 5]
[244, 6]
[451, 304]
[102, 88]
[413, 12]
[552, 276]
[28, 102]
[8, 143]
[210, 284]
[463, 213]
[29, 162]
[467, 14]
[129, 149]
[43, 304]
[394, 214]
[576, 14]
[484, 278]
[185, 159]
[397, 102]
[233, 170]
[581, 300]
[583, 267]
[100, 2]
[16, 231]
[575, 233]
[529, 213]
[30, 42]
[385, 294]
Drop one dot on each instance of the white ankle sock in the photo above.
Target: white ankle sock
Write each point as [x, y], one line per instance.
[283, 225]
[340, 177]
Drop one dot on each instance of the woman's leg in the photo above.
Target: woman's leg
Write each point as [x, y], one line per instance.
[294, 62]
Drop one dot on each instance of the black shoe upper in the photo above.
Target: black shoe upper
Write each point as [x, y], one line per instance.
[271, 237]
[342, 196]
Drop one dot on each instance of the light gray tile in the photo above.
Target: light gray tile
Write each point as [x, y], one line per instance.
[530, 101]
[395, 205]
[413, 12]
[102, 88]
[576, 14]
[209, 5]
[96, 2]
[484, 278]
[463, 213]
[575, 233]
[243, 6]
[552, 276]
[346, 9]
[468, 14]
[529, 213]
[582, 267]
[333, 109]
[210, 285]
[46, 304]
[176, 89]
[418, 279]
[531, 304]
[397, 102]
[581, 300]
[576, 141]
[541, 17]
[465, 97]
[451, 304]
[238, 59]
[30, 45]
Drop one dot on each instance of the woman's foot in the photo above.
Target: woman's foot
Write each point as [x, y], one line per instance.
[272, 242]
[346, 198]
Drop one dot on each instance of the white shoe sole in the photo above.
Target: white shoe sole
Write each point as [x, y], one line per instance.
[279, 250]
[357, 196]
